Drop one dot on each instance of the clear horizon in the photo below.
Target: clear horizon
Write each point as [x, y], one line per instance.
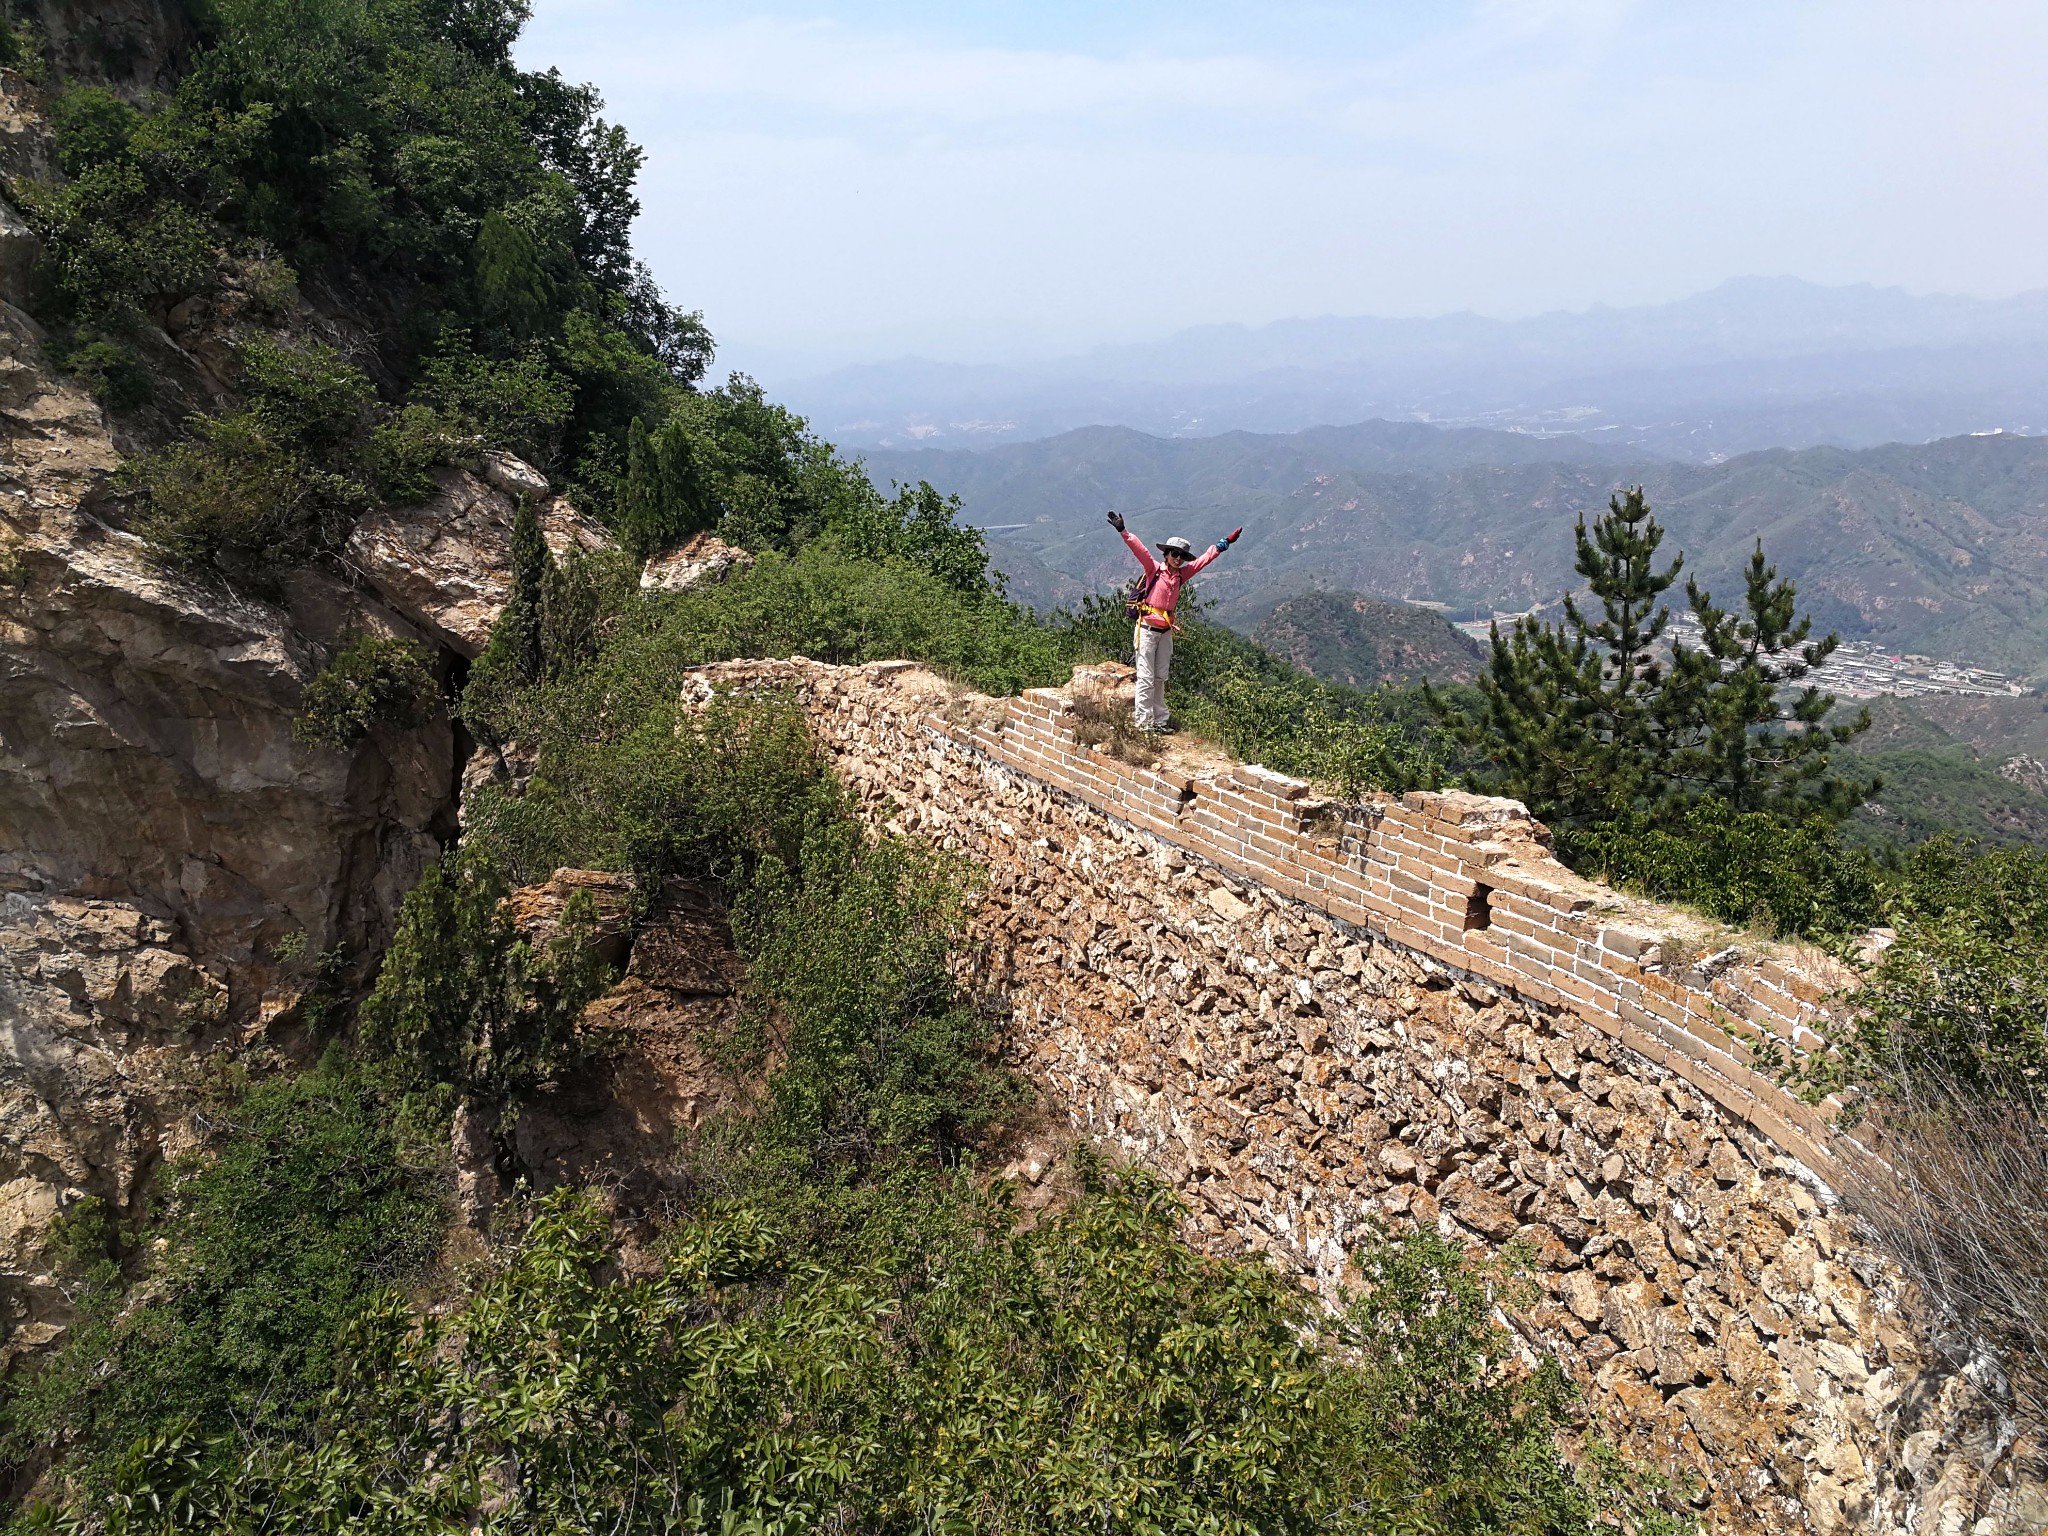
[849, 182]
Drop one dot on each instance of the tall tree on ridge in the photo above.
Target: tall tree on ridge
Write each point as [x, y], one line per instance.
[1586, 723]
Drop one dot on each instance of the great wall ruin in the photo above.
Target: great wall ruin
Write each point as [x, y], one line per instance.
[1314, 1017]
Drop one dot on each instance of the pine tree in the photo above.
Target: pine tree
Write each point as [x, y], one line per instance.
[1737, 735]
[525, 610]
[1571, 724]
[1586, 724]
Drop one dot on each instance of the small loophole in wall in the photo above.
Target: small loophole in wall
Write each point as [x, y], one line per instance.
[1479, 908]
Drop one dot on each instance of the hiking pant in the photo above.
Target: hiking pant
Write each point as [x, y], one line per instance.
[1155, 660]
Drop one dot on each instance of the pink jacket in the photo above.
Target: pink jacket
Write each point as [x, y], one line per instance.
[1163, 590]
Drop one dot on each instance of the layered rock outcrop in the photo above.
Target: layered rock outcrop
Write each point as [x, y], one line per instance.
[447, 563]
[1300, 1075]
[172, 861]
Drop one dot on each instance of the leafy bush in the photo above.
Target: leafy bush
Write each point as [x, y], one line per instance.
[1748, 868]
[252, 493]
[852, 941]
[113, 373]
[1959, 1004]
[382, 146]
[306, 1208]
[1342, 738]
[232, 502]
[372, 680]
[518, 403]
[464, 1000]
[904, 1358]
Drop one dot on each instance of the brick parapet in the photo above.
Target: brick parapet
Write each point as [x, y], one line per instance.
[1274, 1001]
[1468, 881]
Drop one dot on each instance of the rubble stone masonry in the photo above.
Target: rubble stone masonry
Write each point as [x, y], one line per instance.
[1312, 1017]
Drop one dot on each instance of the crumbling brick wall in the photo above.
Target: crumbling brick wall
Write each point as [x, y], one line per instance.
[1311, 1018]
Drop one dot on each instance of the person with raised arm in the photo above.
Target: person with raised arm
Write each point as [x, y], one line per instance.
[1150, 601]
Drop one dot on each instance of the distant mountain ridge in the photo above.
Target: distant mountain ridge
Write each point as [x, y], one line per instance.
[1937, 547]
[1360, 641]
[1754, 363]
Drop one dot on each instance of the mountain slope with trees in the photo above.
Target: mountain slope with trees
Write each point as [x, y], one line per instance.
[1939, 548]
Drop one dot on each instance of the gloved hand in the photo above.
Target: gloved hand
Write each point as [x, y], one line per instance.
[1116, 521]
[1228, 539]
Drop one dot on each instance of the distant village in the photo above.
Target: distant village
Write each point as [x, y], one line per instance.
[1857, 670]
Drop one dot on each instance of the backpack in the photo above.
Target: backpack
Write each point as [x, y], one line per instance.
[1135, 592]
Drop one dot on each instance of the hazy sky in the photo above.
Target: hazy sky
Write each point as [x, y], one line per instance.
[847, 181]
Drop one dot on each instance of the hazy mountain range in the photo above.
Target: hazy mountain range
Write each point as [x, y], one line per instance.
[1755, 363]
[1937, 547]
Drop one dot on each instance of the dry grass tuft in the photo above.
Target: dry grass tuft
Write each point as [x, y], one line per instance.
[1103, 719]
[1961, 1203]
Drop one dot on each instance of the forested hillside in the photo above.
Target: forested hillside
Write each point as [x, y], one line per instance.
[1938, 548]
[1362, 642]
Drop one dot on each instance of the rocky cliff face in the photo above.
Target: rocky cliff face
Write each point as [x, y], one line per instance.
[163, 839]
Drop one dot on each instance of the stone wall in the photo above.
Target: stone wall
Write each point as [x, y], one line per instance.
[1313, 1017]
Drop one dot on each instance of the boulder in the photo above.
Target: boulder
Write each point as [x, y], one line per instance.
[446, 564]
[704, 561]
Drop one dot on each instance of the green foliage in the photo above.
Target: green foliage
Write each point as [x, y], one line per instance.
[1744, 867]
[392, 147]
[730, 460]
[252, 493]
[906, 1358]
[305, 1209]
[852, 942]
[819, 603]
[1947, 788]
[921, 527]
[1957, 1005]
[1339, 737]
[82, 1237]
[1733, 733]
[1586, 724]
[519, 403]
[113, 373]
[1572, 718]
[464, 1000]
[372, 680]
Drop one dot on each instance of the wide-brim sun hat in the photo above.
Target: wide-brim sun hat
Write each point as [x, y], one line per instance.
[1176, 546]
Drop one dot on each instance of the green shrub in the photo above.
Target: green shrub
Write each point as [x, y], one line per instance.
[464, 1000]
[1749, 868]
[306, 1208]
[372, 680]
[113, 373]
[518, 403]
[1295, 725]
[83, 1237]
[393, 149]
[231, 501]
[907, 1358]
[248, 495]
[1958, 1006]
[852, 942]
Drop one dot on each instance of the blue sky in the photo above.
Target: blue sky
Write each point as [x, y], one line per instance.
[835, 182]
